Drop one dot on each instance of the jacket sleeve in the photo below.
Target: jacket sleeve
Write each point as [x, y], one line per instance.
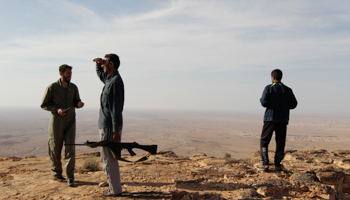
[115, 107]
[76, 97]
[264, 100]
[47, 100]
[100, 73]
[292, 101]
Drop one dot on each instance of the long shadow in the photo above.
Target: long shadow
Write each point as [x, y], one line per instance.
[146, 195]
[80, 183]
[147, 184]
[213, 186]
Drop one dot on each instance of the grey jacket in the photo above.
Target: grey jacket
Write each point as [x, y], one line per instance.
[111, 100]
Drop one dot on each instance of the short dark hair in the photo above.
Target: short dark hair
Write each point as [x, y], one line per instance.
[63, 67]
[114, 58]
[277, 74]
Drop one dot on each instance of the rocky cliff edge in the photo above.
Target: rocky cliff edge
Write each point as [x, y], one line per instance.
[308, 174]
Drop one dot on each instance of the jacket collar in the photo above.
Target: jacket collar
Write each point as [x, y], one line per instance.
[60, 83]
[277, 82]
[113, 75]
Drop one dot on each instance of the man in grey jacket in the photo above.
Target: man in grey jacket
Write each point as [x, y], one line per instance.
[110, 121]
[61, 98]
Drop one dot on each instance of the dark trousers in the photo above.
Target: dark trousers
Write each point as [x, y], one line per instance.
[280, 129]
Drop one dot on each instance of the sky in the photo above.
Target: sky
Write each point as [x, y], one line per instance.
[179, 54]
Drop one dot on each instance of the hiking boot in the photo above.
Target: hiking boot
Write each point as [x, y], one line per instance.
[107, 193]
[262, 166]
[70, 183]
[103, 184]
[279, 167]
[59, 179]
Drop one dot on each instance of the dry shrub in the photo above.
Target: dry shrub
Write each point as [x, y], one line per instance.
[227, 155]
[90, 164]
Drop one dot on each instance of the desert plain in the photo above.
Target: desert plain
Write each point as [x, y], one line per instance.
[201, 155]
[23, 132]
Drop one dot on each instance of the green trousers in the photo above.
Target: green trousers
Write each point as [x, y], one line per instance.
[62, 129]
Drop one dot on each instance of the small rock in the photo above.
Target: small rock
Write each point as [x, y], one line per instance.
[198, 171]
[324, 160]
[179, 195]
[330, 178]
[266, 191]
[341, 152]
[303, 176]
[249, 193]
[343, 163]
[199, 155]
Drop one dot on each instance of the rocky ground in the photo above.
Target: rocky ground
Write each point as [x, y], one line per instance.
[309, 174]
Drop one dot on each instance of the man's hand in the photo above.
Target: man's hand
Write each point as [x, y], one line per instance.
[80, 104]
[98, 60]
[60, 112]
[117, 136]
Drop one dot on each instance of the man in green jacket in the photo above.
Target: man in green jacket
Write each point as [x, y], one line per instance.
[61, 98]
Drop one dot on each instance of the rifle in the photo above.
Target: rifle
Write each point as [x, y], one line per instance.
[116, 147]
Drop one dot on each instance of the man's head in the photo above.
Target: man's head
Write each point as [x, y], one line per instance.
[111, 63]
[276, 75]
[65, 72]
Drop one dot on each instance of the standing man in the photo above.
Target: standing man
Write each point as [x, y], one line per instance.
[278, 100]
[61, 98]
[110, 121]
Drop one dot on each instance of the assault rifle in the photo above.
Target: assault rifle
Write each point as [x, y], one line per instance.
[116, 147]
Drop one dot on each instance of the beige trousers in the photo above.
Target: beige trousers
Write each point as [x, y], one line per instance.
[110, 165]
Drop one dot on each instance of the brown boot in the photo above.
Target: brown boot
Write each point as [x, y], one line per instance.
[59, 179]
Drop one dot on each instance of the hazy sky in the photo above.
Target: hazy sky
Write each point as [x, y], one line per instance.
[181, 54]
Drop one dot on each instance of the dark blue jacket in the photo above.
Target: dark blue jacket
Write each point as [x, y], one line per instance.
[278, 100]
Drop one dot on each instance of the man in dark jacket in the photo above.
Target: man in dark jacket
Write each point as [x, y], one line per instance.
[110, 121]
[61, 98]
[278, 100]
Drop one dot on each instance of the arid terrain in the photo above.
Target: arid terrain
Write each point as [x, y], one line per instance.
[308, 174]
[23, 132]
[200, 156]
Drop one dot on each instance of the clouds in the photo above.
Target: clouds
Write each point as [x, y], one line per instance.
[206, 34]
[175, 54]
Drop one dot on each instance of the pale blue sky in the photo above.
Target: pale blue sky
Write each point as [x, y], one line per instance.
[180, 55]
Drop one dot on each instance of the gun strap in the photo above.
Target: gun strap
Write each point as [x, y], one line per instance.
[122, 159]
[100, 143]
